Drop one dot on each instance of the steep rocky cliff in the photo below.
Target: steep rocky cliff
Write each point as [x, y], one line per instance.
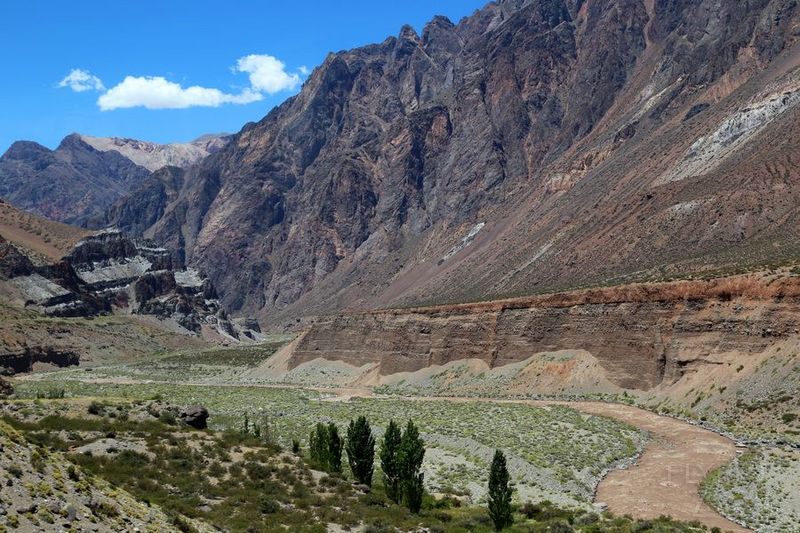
[640, 336]
[141, 209]
[535, 145]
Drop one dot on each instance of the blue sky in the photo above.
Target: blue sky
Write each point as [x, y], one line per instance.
[136, 60]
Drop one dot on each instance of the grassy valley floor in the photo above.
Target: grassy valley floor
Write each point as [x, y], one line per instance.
[558, 452]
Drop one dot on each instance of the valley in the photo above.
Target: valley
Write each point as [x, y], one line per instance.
[555, 241]
[620, 451]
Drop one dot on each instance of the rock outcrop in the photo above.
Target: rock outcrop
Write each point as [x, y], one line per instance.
[137, 212]
[195, 416]
[23, 361]
[13, 262]
[6, 388]
[108, 271]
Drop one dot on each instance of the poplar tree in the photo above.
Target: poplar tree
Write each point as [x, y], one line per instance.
[360, 449]
[409, 461]
[388, 455]
[334, 449]
[318, 446]
[500, 492]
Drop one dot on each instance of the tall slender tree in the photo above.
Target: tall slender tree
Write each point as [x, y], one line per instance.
[413, 489]
[409, 461]
[318, 446]
[500, 492]
[388, 455]
[334, 448]
[360, 449]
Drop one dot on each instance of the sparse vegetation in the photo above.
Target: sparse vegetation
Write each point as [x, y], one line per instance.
[560, 456]
[234, 481]
[760, 488]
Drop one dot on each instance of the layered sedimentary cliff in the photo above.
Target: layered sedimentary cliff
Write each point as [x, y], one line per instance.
[108, 271]
[641, 336]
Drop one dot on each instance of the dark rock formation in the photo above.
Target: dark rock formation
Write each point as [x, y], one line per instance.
[6, 388]
[108, 270]
[135, 213]
[23, 361]
[13, 262]
[195, 416]
[70, 183]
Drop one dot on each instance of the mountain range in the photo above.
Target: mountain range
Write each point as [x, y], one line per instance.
[535, 145]
[84, 175]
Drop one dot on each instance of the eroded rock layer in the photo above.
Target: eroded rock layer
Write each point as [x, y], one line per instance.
[109, 271]
[641, 336]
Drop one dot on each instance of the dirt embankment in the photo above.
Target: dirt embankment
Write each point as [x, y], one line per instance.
[642, 336]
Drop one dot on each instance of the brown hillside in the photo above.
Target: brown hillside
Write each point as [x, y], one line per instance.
[48, 240]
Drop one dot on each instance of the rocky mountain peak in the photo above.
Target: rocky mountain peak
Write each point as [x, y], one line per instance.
[408, 33]
[23, 150]
[154, 156]
[68, 184]
[72, 141]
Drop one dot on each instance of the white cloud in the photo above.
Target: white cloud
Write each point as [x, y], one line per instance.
[80, 80]
[155, 92]
[304, 70]
[267, 74]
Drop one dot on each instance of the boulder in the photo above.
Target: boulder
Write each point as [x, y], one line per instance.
[195, 416]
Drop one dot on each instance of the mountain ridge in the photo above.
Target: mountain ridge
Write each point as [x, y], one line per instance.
[67, 184]
[85, 175]
[534, 146]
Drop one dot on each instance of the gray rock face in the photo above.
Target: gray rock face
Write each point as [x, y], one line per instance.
[154, 156]
[109, 271]
[551, 122]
